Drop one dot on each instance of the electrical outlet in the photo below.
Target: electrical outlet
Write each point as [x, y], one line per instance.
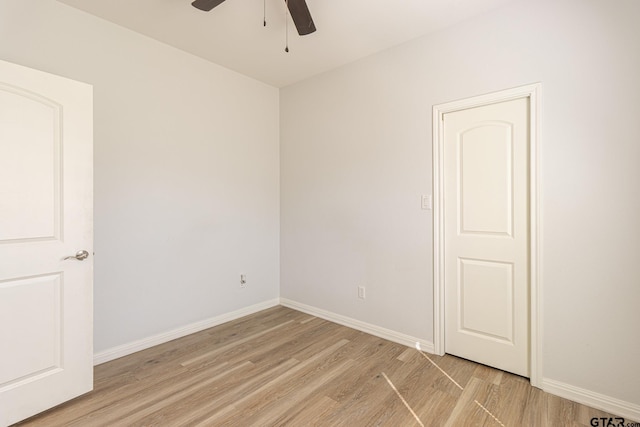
[361, 292]
[243, 280]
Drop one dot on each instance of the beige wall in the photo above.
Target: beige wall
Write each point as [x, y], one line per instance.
[356, 157]
[186, 171]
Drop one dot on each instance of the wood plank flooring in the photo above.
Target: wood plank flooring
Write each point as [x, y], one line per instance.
[281, 367]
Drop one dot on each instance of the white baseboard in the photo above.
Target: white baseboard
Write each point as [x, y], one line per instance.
[126, 349]
[629, 411]
[361, 326]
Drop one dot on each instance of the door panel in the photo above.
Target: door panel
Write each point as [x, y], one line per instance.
[29, 165]
[486, 234]
[479, 183]
[46, 307]
[492, 283]
[35, 304]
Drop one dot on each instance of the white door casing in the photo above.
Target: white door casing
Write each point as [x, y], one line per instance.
[486, 230]
[46, 214]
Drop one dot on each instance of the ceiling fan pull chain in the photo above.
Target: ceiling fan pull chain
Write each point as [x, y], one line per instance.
[264, 13]
[286, 27]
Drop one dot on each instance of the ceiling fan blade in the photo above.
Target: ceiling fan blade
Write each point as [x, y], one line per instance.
[301, 16]
[206, 5]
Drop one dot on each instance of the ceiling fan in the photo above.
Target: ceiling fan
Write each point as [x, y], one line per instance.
[297, 8]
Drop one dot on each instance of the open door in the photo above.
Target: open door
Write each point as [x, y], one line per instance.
[46, 241]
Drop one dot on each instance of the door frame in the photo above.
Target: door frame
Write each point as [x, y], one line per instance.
[533, 92]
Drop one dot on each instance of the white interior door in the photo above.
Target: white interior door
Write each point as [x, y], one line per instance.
[46, 214]
[486, 234]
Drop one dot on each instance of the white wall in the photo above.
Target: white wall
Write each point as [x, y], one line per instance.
[186, 171]
[356, 156]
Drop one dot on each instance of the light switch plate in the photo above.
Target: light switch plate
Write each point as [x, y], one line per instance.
[426, 202]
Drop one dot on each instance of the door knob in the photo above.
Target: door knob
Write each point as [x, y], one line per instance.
[80, 255]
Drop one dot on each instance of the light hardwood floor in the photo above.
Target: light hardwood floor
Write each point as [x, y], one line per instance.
[281, 367]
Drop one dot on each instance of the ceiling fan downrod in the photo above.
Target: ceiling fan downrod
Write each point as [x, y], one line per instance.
[286, 28]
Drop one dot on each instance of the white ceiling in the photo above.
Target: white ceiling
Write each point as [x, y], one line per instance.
[233, 36]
